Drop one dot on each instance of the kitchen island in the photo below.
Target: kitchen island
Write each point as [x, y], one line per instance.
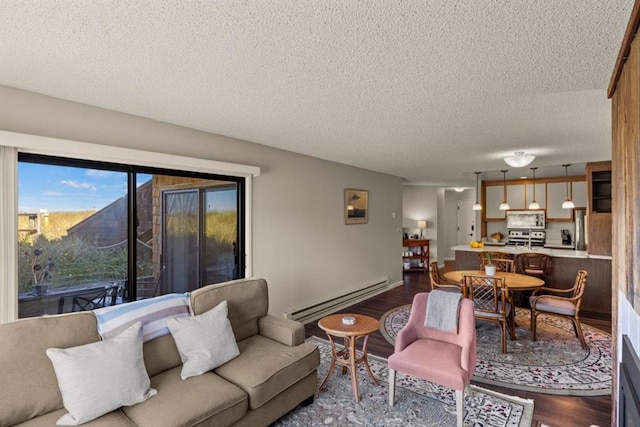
[565, 266]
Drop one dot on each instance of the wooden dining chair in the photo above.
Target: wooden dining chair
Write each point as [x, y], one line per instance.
[502, 264]
[490, 297]
[438, 281]
[534, 264]
[545, 300]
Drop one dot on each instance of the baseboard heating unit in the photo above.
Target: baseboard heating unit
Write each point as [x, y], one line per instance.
[323, 308]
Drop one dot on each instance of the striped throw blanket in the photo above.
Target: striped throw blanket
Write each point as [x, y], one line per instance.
[152, 312]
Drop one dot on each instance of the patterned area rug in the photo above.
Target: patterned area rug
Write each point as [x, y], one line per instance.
[555, 364]
[418, 402]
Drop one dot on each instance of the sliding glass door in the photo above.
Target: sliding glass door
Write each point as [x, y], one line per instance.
[94, 234]
[200, 236]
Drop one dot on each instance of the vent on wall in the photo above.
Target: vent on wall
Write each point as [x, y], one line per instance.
[323, 308]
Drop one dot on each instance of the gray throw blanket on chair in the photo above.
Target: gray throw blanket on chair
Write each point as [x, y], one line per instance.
[442, 311]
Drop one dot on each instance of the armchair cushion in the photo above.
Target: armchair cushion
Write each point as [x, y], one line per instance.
[435, 357]
[553, 305]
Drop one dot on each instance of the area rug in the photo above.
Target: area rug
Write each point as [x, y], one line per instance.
[554, 364]
[418, 402]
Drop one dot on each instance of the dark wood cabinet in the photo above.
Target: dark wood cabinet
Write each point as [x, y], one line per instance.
[416, 257]
[599, 220]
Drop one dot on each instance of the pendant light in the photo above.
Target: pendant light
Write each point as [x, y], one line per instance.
[567, 204]
[534, 204]
[504, 205]
[477, 206]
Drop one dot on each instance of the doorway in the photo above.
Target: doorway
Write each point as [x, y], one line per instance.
[466, 222]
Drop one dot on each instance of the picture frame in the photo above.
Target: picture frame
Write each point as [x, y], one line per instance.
[356, 206]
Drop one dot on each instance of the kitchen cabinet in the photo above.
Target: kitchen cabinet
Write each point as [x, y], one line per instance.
[579, 193]
[599, 218]
[494, 196]
[556, 195]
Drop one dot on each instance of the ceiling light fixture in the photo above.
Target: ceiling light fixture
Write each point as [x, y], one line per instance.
[477, 206]
[534, 204]
[504, 205]
[567, 204]
[519, 159]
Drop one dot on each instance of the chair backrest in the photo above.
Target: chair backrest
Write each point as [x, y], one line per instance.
[488, 293]
[579, 285]
[534, 263]
[504, 265]
[437, 280]
[434, 274]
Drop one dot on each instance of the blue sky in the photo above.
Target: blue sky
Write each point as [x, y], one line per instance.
[61, 188]
[66, 189]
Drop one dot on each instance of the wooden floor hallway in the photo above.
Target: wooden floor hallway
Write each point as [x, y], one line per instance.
[550, 410]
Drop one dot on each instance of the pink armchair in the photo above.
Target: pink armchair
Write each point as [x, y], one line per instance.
[445, 358]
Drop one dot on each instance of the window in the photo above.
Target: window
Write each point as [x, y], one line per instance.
[93, 234]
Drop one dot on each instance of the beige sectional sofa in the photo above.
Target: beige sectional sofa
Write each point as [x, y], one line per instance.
[275, 371]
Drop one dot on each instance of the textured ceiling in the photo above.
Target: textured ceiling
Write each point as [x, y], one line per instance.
[429, 90]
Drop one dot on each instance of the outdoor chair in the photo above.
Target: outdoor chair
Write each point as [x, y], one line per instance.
[94, 298]
[563, 306]
[490, 297]
[445, 358]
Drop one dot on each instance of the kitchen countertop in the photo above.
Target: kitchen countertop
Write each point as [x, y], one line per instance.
[562, 253]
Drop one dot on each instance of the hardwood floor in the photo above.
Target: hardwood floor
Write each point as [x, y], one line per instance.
[552, 410]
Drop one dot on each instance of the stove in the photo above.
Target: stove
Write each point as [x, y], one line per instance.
[522, 237]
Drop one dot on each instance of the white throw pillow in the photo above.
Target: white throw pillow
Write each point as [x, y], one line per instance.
[97, 378]
[205, 341]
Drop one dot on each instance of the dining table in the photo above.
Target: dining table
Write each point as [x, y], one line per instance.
[513, 281]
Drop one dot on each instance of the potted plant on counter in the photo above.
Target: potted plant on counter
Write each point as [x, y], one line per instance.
[489, 268]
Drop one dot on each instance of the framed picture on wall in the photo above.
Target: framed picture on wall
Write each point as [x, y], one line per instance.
[356, 206]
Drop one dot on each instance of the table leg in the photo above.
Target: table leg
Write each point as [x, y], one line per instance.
[366, 360]
[352, 363]
[333, 362]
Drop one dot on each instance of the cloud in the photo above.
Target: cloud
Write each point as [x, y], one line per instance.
[76, 184]
[94, 173]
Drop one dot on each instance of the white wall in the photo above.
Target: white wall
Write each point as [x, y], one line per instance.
[300, 242]
[449, 220]
[420, 202]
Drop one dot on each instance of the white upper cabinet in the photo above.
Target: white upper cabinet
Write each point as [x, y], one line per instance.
[556, 195]
[515, 196]
[579, 193]
[494, 195]
[541, 195]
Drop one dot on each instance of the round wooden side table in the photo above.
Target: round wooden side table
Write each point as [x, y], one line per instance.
[349, 357]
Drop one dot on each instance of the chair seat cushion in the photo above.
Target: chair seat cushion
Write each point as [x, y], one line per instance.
[265, 367]
[553, 305]
[431, 360]
[189, 402]
[486, 314]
